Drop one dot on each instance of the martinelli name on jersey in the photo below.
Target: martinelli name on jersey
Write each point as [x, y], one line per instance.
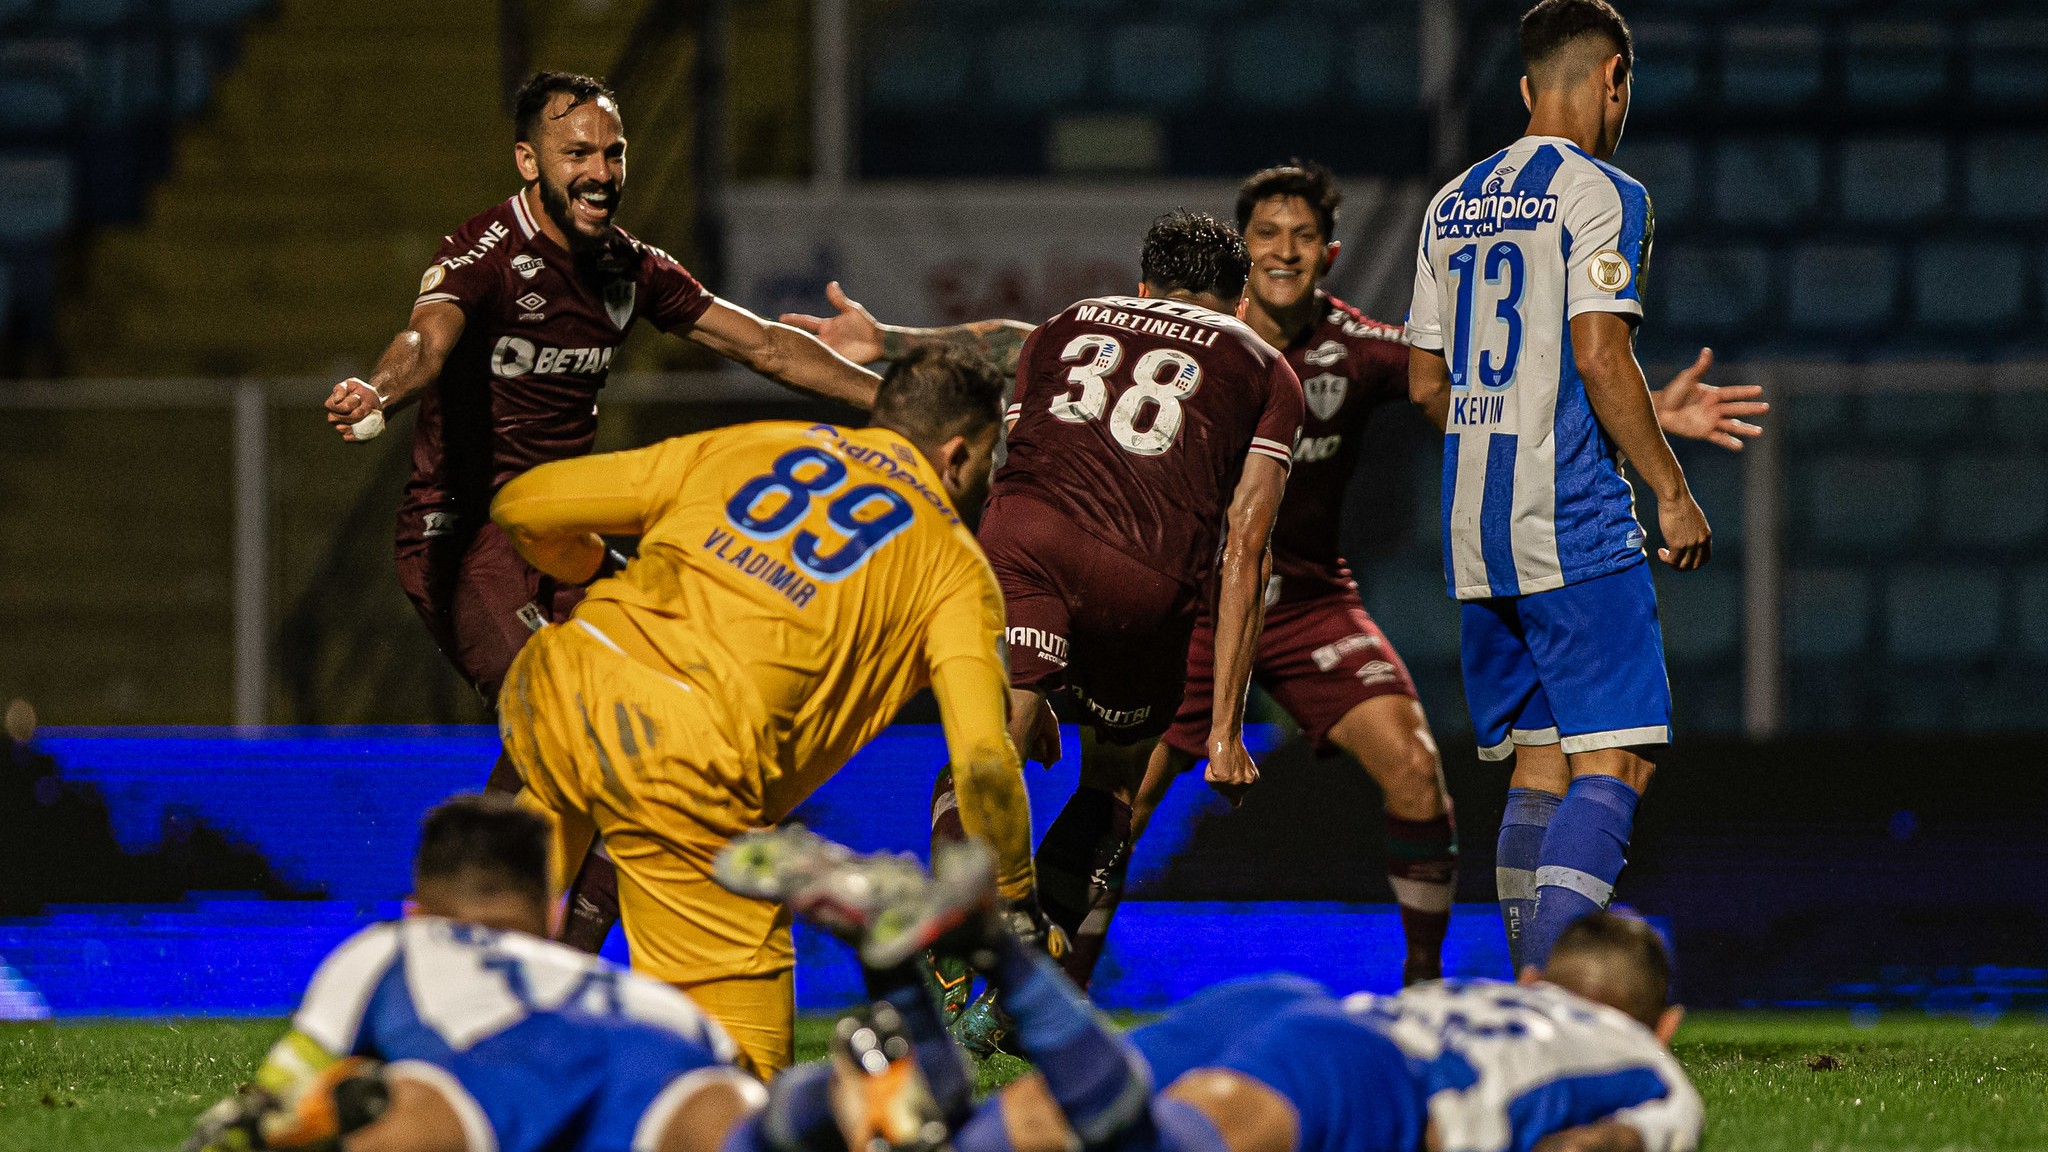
[1171, 318]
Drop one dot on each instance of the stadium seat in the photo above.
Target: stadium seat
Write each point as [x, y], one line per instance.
[1770, 65]
[1159, 66]
[2005, 63]
[1913, 418]
[1961, 285]
[87, 14]
[1280, 64]
[192, 76]
[214, 13]
[1667, 73]
[1665, 168]
[1893, 179]
[1987, 501]
[1948, 612]
[1870, 501]
[13, 12]
[1827, 612]
[1702, 613]
[1711, 288]
[6, 294]
[2008, 176]
[1766, 179]
[1842, 287]
[1033, 67]
[1385, 69]
[2031, 601]
[32, 106]
[1409, 601]
[36, 194]
[1892, 65]
[915, 67]
[2019, 417]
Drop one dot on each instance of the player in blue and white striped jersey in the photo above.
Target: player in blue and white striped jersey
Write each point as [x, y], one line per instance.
[1527, 295]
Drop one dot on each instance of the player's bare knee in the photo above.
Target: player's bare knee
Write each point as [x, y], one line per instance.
[1248, 1115]
[708, 1114]
[419, 1118]
[1631, 766]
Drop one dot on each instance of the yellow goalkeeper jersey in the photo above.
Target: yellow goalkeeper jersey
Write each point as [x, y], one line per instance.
[809, 578]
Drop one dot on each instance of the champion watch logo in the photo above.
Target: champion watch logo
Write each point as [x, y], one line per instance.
[527, 266]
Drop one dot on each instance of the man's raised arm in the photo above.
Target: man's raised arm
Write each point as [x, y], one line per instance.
[857, 335]
[1240, 597]
[784, 353]
[412, 361]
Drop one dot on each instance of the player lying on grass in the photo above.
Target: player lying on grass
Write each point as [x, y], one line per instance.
[796, 585]
[1573, 1059]
[463, 1029]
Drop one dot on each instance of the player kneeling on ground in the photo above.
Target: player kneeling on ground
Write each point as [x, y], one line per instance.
[1574, 1059]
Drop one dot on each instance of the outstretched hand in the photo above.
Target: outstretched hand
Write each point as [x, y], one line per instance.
[1692, 408]
[853, 333]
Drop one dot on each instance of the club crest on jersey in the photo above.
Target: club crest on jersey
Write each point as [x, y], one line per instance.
[432, 278]
[1326, 354]
[1325, 394]
[528, 266]
[618, 302]
[1609, 270]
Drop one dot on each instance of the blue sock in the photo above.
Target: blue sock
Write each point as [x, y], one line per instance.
[1583, 854]
[797, 1118]
[1098, 1079]
[945, 1071]
[1515, 860]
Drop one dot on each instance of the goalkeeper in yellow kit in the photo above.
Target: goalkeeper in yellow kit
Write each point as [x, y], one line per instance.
[796, 584]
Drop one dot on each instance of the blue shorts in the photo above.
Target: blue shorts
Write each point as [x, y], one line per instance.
[551, 1085]
[1581, 666]
[1351, 1088]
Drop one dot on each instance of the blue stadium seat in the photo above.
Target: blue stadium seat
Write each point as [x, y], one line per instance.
[1870, 501]
[1895, 178]
[214, 13]
[1032, 67]
[2031, 596]
[1766, 179]
[14, 12]
[1712, 288]
[1667, 71]
[1894, 65]
[1988, 501]
[1961, 285]
[1385, 66]
[1409, 601]
[1909, 418]
[191, 76]
[1665, 167]
[916, 67]
[1770, 65]
[1701, 612]
[2005, 63]
[88, 14]
[2019, 417]
[1159, 66]
[36, 194]
[2008, 176]
[1949, 612]
[1827, 612]
[32, 106]
[1842, 287]
[1280, 64]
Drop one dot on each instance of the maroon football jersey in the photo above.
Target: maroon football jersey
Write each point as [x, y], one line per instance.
[540, 327]
[1349, 365]
[1134, 416]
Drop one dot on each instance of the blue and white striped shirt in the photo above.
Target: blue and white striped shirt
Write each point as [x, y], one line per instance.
[1524, 240]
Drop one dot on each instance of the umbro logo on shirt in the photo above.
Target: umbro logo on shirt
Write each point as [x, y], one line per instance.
[533, 302]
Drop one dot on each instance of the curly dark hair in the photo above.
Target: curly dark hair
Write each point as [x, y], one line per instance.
[533, 97]
[1195, 252]
[1307, 179]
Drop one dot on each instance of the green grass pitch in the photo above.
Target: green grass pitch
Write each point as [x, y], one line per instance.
[1773, 1082]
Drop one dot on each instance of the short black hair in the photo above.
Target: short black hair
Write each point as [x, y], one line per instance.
[533, 97]
[1619, 957]
[1195, 252]
[938, 392]
[1304, 178]
[487, 844]
[1553, 24]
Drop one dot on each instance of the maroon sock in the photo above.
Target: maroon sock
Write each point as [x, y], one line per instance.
[1081, 865]
[593, 905]
[1422, 867]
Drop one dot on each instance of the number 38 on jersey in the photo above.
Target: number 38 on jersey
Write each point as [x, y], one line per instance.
[1147, 413]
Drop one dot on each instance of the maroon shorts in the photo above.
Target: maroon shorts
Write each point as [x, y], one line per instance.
[479, 599]
[1317, 658]
[1085, 617]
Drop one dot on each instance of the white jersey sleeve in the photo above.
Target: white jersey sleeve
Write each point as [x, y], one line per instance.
[339, 995]
[1425, 328]
[1607, 226]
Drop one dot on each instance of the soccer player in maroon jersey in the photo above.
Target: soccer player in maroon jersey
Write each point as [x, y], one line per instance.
[1320, 654]
[510, 338]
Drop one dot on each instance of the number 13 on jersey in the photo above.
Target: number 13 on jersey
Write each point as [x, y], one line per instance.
[1503, 270]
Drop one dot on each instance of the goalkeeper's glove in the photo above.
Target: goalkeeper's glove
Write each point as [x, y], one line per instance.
[347, 1095]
